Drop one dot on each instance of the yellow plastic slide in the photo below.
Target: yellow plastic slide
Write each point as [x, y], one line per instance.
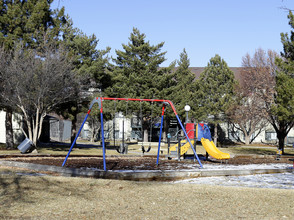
[213, 151]
[209, 146]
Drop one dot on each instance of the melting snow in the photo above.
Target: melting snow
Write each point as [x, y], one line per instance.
[278, 180]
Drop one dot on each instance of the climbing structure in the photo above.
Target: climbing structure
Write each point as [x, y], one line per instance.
[203, 134]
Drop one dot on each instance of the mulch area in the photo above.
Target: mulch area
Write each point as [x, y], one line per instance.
[142, 163]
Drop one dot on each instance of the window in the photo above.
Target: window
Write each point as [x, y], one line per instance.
[270, 135]
[290, 141]
[136, 122]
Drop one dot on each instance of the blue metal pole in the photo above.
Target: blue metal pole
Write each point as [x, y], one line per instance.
[103, 142]
[189, 141]
[73, 143]
[161, 125]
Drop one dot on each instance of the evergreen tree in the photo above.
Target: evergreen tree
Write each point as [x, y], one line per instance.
[214, 92]
[26, 21]
[90, 66]
[137, 74]
[282, 110]
[181, 93]
[87, 59]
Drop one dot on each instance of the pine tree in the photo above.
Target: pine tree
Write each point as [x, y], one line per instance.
[137, 74]
[214, 92]
[181, 93]
[26, 21]
[90, 66]
[282, 110]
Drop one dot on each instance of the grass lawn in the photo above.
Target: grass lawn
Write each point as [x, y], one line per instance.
[53, 197]
[135, 149]
[24, 195]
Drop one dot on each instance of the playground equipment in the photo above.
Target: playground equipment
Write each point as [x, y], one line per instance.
[213, 151]
[202, 134]
[141, 115]
[123, 147]
[99, 101]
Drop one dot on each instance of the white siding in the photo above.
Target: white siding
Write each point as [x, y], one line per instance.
[2, 127]
[261, 138]
[291, 133]
[17, 133]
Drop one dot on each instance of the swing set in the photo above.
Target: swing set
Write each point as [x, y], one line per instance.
[99, 101]
[122, 149]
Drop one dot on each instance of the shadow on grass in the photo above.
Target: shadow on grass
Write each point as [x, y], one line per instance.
[261, 151]
[21, 188]
[257, 151]
[64, 147]
[58, 146]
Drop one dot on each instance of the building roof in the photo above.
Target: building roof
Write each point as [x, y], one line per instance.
[198, 70]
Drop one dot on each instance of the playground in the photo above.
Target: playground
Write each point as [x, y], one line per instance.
[147, 162]
[113, 155]
[177, 156]
[172, 180]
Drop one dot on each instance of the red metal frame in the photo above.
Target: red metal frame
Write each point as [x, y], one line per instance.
[141, 100]
[100, 100]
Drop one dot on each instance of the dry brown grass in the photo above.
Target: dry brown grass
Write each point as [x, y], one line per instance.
[135, 149]
[47, 197]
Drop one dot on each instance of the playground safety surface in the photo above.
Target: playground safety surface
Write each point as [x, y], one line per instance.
[141, 167]
[139, 162]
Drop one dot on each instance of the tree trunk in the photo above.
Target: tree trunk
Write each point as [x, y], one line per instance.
[247, 139]
[9, 129]
[39, 129]
[146, 139]
[164, 131]
[93, 130]
[215, 135]
[281, 137]
[36, 127]
[61, 128]
[73, 128]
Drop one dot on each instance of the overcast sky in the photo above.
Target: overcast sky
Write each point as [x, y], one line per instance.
[230, 28]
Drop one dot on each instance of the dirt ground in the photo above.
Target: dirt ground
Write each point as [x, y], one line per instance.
[142, 163]
[47, 197]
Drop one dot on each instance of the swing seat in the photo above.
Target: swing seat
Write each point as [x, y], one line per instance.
[143, 149]
[122, 148]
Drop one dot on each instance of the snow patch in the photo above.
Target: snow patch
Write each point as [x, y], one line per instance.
[276, 181]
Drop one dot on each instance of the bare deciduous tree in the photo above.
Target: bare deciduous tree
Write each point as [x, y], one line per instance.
[35, 83]
[254, 94]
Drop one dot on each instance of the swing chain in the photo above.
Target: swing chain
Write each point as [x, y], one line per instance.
[114, 117]
[150, 136]
[151, 121]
